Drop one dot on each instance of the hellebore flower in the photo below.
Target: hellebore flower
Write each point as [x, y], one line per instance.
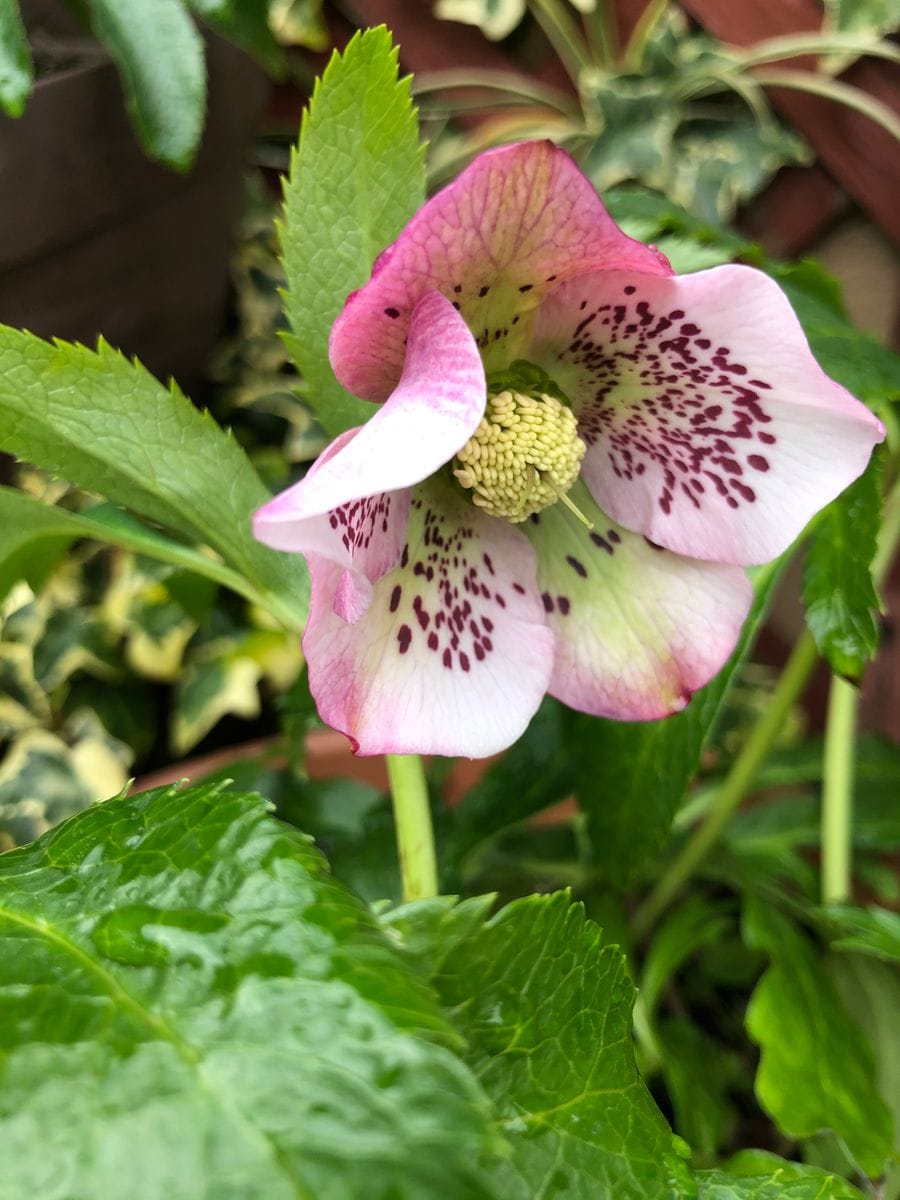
[575, 454]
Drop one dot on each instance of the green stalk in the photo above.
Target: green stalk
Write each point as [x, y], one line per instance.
[837, 790]
[412, 819]
[563, 35]
[790, 686]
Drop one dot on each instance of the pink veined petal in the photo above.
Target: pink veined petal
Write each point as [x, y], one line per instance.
[710, 426]
[452, 655]
[432, 413]
[638, 629]
[515, 222]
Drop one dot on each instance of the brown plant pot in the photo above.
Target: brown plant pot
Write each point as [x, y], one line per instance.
[98, 239]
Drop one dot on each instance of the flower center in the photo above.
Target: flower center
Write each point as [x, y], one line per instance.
[525, 455]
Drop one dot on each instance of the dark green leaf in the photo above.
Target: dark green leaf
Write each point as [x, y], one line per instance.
[838, 592]
[534, 773]
[16, 69]
[545, 1010]
[244, 22]
[696, 923]
[106, 424]
[696, 1075]
[816, 1068]
[871, 930]
[159, 54]
[191, 1005]
[357, 175]
[632, 777]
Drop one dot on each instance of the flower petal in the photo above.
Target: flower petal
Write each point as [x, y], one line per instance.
[494, 241]
[710, 426]
[638, 629]
[432, 413]
[452, 655]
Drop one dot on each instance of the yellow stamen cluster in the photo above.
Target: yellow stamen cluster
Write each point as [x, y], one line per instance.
[525, 455]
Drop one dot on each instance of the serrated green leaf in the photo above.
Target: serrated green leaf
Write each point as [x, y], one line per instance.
[357, 175]
[545, 1010]
[107, 425]
[632, 777]
[759, 1175]
[213, 1014]
[16, 68]
[159, 54]
[816, 1068]
[838, 591]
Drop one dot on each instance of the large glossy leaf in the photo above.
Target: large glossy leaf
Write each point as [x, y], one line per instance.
[107, 425]
[816, 1068]
[192, 1007]
[357, 175]
[159, 54]
[16, 69]
[758, 1175]
[632, 777]
[545, 1009]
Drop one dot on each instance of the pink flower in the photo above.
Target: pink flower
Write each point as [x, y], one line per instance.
[452, 582]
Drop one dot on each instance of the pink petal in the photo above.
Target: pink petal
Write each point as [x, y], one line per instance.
[432, 413]
[638, 629]
[710, 426]
[452, 655]
[494, 241]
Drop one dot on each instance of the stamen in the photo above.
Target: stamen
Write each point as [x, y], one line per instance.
[524, 456]
[573, 508]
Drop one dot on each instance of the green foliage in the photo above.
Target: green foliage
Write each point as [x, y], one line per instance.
[246, 23]
[632, 777]
[816, 1068]
[107, 425]
[838, 592]
[159, 54]
[16, 68]
[208, 1008]
[495, 18]
[545, 1010]
[356, 177]
[757, 1175]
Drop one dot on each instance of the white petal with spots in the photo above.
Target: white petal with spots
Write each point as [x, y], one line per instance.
[710, 426]
[453, 654]
[638, 629]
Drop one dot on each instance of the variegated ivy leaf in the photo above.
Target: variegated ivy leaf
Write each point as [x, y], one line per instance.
[495, 18]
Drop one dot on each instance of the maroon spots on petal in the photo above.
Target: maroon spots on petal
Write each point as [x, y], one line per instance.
[395, 598]
[563, 604]
[393, 313]
[464, 660]
[526, 287]
[480, 651]
[456, 305]
[433, 641]
[404, 637]
[601, 541]
[457, 287]
[483, 291]
[767, 439]
[758, 462]
[547, 601]
[578, 567]
[447, 659]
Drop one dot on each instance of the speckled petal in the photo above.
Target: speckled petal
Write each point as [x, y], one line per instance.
[452, 655]
[638, 629]
[513, 224]
[710, 426]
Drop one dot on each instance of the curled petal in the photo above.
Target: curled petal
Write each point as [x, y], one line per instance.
[638, 629]
[710, 426]
[452, 655]
[513, 224]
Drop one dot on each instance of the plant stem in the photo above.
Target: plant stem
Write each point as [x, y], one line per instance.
[412, 818]
[837, 790]
[743, 770]
[563, 35]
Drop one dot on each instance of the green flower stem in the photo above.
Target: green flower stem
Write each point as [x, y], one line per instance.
[790, 686]
[840, 740]
[837, 790]
[412, 818]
